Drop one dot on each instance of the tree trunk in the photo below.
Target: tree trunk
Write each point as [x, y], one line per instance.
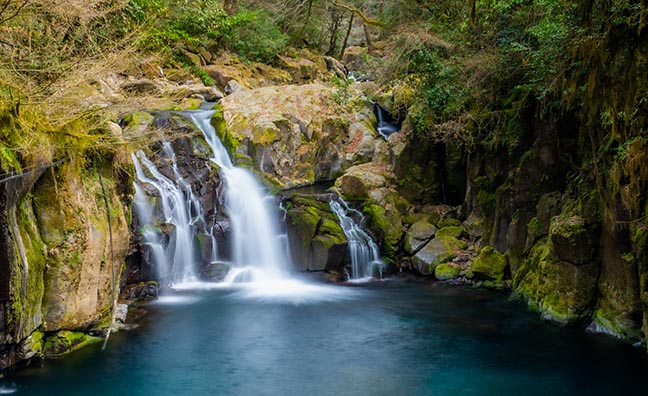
[473, 11]
[370, 47]
[335, 20]
[308, 15]
[346, 38]
[230, 6]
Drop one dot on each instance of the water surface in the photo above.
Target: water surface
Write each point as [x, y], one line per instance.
[392, 338]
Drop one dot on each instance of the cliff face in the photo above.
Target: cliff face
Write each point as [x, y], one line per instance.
[56, 255]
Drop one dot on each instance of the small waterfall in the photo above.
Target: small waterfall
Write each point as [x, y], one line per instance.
[175, 259]
[364, 253]
[259, 251]
[386, 124]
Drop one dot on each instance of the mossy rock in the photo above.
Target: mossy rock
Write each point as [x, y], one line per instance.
[572, 240]
[439, 250]
[490, 265]
[448, 222]
[560, 291]
[446, 271]
[452, 231]
[418, 235]
[63, 342]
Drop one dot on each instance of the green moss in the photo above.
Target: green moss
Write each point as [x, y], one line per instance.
[379, 222]
[137, 118]
[453, 231]
[219, 124]
[27, 278]
[189, 104]
[490, 264]
[64, 342]
[447, 222]
[446, 271]
[534, 227]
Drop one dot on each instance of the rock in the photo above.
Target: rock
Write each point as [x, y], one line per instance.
[453, 231]
[216, 271]
[418, 235]
[141, 87]
[560, 291]
[121, 312]
[489, 265]
[63, 342]
[233, 86]
[316, 239]
[572, 240]
[336, 67]
[293, 135]
[438, 251]
[31, 346]
[304, 69]
[446, 271]
[359, 180]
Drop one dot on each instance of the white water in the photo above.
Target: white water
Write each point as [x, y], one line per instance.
[259, 251]
[174, 260]
[364, 253]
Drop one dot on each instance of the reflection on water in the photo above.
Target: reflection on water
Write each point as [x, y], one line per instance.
[389, 338]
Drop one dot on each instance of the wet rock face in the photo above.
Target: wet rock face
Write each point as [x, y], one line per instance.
[192, 159]
[316, 239]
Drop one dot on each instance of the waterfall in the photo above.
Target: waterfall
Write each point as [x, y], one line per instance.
[174, 260]
[363, 251]
[259, 250]
[386, 124]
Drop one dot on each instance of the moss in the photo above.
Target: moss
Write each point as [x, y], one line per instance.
[63, 342]
[379, 222]
[534, 227]
[137, 118]
[219, 124]
[446, 271]
[189, 104]
[447, 222]
[453, 231]
[490, 264]
[27, 278]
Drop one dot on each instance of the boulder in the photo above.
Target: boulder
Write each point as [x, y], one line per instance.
[292, 135]
[438, 251]
[559, 290]
[316, 239]
[489, 265]
[447, 271]
[418, 235]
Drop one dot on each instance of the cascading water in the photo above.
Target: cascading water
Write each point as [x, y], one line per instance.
[386, 124]
[259, 251]
[364, 253]
[175, 259]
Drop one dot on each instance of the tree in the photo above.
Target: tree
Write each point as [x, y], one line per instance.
[230, 6]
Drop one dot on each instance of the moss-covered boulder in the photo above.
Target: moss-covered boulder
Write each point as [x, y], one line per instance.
[559, 290]
[452, 231]
[490, 265]
[294, 135]
[418, 235]
[63, 342]
[439, 250]
[316, 239]
[447, 271]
